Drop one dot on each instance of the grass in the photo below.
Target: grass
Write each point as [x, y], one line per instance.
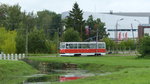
[11, 71]
[42, 54]
[106, 60]
[126, 76]
[125, 69]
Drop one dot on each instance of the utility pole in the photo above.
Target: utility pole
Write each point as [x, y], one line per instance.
[26, 43]
[97, 41]
[96, 38]
[57, 43]
[132, 31]
[116, 34]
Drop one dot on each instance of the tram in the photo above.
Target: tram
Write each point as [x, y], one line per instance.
[82, 48]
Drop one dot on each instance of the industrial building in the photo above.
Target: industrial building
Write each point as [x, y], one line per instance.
[120, 25]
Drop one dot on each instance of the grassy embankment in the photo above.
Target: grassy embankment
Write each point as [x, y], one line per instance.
[125, 69]
[11, 72]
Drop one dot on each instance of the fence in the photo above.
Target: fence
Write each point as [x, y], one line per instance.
[11, 56]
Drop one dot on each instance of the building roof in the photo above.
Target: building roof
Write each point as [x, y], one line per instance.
[136, 14]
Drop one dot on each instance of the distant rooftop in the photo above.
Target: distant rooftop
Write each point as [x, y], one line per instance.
[144, 24]
[136, 14]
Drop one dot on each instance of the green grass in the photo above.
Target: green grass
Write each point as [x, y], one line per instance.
[106, 60]
[12, 71]
[42, 54]
[126, 76]
[125, 69]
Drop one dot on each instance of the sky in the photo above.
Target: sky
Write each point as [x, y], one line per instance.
[60, 6]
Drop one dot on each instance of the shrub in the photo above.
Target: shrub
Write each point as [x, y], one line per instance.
[144, 46]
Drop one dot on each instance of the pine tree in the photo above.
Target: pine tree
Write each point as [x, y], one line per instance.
[75, 19]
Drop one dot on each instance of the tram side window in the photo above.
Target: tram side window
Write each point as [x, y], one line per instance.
[92, 46]
[83, 46]
[101, 46]
[71, 46]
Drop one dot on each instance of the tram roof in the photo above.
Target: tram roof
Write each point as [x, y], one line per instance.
[80, 42]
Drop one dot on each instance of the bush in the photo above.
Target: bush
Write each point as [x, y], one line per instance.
[144, 46]
[51, 46]
[127, 44]
[109, 43]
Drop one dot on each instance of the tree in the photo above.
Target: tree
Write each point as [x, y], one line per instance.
[13, 17]
[7, 40]
[75, 19]
[20, 41]
[70, 35]
[3, 14]
[94, 27]
[37, 41]
[90, 22]
[49, 21]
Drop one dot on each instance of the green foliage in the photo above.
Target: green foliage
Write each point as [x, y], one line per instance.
[51, 46]
[7, 40]
[144, 46]
[75, 19]
[93, 25]
[128, 44]
[109, 43]
[36, 43]
[71, 35]
[11, 16]
[20, 41]
[49, 21]
[14, 17]
[3, 14]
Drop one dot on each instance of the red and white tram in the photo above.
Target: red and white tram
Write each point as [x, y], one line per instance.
[82, 48]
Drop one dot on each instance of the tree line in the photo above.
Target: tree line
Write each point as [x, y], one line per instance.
[39, 27]
[41, 32]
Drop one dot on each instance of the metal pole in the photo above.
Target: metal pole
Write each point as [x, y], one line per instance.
[116, 37]
[97, 41]
[149, 20]
[58, 43]
[133, 36]
[116, 34]
[132, 31]
[26, 44]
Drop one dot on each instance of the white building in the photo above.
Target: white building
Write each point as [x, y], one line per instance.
[124, 28]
